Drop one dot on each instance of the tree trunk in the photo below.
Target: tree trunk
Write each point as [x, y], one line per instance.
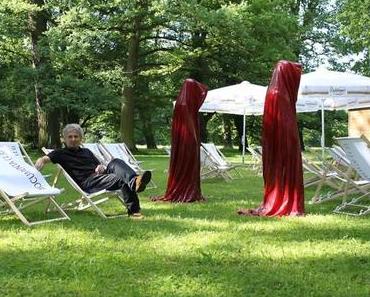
[41, 118]
[70, 116]
[146, 119]
[37, 27]
[128, 92]
[54, 129]
[203, 119]
[228, 139]
[7, 127]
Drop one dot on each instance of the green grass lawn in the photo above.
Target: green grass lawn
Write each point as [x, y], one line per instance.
[200, 249]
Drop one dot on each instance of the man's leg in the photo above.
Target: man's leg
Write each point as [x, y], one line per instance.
[123, 171]
[136, 183]
[114, 182]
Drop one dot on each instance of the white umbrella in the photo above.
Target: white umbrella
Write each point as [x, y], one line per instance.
[243, 99]
[247, 99]
[333, 90]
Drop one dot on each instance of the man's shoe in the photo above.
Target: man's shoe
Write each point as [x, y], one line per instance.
[136, 216]
[142, 180]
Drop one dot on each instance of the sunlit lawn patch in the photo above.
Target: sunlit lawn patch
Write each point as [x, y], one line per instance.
[201, 249]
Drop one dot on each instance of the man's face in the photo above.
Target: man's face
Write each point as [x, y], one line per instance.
[72, 139]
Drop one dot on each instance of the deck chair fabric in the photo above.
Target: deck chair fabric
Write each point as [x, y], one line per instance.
[208, 167]
[17, 151]
[114, 150]
[324, 175]
[22, 185]
[357, 151]
[335, 173]
[213, 159]
[95, 148]
[120, 151]
[87, 200]
[256, 153]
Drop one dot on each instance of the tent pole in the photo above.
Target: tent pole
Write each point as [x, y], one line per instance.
[243, 139]
[322, 130]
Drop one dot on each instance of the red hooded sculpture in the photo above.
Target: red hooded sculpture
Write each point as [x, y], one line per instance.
[282, 162]
[183, 183]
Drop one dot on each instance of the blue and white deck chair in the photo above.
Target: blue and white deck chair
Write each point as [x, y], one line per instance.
[22, 185]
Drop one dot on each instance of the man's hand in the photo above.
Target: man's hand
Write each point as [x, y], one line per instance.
[41, 162]
[100, 169]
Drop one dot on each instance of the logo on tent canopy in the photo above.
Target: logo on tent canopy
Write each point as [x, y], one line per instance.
[337, 91]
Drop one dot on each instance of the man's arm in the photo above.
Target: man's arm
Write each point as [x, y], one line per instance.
[41, 162]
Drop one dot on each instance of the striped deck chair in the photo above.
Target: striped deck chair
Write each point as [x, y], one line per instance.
[87, 200]
[23, 186]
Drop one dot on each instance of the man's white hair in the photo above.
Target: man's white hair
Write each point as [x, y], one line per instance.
[73, 127]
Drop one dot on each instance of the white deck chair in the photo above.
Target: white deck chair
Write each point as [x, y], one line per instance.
[117, 150]
[325, 175]
[22, 185]
[211, 168]
[208, 168]
[256, 153]
[95, 148]
[17, 150]
[358, 152]
[223, 167]
[87, 200]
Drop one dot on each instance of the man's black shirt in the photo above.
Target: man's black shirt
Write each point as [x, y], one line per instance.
[79, 163]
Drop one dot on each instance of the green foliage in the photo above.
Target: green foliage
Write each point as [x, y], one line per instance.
[88, 61]
[354, 26]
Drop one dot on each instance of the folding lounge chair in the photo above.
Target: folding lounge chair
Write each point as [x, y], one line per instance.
[256, 153]
[87, 200]
[358, 152]
[210, 167]
[17, 150]
[335, 174]
[328, 175]
[219, 160]
[96, 150]
[120, 151]
[22, 185]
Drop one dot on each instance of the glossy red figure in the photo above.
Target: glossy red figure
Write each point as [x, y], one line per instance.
[282, 161]
[183, 184]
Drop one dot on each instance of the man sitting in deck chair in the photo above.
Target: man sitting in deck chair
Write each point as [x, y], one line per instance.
[91, 176]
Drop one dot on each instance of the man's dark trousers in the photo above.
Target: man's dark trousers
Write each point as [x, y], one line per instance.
[118, 176]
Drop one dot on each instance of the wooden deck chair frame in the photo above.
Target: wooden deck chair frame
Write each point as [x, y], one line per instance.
[130, 159]
[17, 203]
[358, 152]
[325, 175]
[86, 200]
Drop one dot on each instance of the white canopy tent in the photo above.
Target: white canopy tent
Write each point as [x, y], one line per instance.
[246, 99]
[319, 90]
[333, 90]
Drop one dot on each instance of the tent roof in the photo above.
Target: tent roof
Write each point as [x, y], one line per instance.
[336, 90]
